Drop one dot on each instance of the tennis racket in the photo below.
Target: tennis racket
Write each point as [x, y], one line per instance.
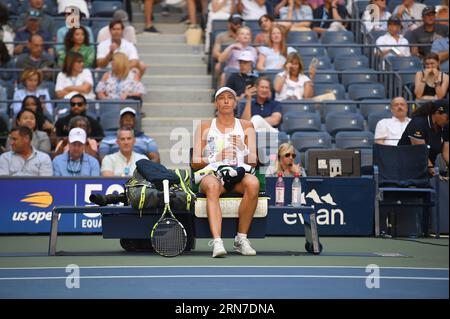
[168, 235]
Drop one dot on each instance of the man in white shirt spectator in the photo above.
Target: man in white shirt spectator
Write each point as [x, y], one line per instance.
[389, 131]
[117, 43]
[410, 12]
[129, 33]
[398, 43]
[122, 163]
[23, 159]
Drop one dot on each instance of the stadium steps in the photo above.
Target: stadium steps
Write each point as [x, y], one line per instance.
[178, 86]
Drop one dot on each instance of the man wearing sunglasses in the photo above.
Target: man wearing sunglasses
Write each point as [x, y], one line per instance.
[78, 106]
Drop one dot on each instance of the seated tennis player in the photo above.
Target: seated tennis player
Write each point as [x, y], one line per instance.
[230, 143]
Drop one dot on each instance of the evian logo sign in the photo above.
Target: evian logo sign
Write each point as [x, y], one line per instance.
[324, 216]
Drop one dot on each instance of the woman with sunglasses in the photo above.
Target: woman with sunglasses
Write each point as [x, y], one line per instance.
[285, 162]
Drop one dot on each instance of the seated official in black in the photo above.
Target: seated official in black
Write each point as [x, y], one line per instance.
[429, 125]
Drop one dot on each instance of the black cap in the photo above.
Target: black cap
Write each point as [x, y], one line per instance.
[235, 18]
[441, 105]
[394, 20]
[428, 10]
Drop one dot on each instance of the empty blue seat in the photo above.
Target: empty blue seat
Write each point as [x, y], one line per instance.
[301, 121]
[374, 35]
[394, 3]
[110, 121]
[296, 106]
[374, 117]
[324, 62]
[343, 121]
[327, 108]
[311, 50]
[408, 76]
[366, 91]
[12, 6]
[354, 140]
[345, 51]
[404, 63]
[366, 76]
[299, 37]
[3, 98]
[360, 7]
[336, 37]
[105, 8]
[347, 62]
[336, 88]
[323, 77]
[270, 139]
[370, 106]
[303, 141]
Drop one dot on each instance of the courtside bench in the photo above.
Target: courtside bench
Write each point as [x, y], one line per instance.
[119, 222]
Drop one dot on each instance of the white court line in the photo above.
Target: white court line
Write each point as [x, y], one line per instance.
[216, 266]
[225, 276]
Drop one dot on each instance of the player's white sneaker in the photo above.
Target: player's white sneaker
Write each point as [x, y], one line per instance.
[242, 245]
[218, 248]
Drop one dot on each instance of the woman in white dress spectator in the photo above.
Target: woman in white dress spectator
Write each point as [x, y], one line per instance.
[31, 79]
[292, 83]
[217, 10]
[376, 21]
[74, 78]
[121, 82]
[273, 57]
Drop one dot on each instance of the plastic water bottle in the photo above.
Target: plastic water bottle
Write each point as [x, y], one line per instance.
[296, 191]
[279, 190]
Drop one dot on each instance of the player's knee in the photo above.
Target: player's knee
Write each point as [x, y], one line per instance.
[212, 189]
[252, 185]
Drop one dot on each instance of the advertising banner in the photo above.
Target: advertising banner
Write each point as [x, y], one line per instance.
[26, 203]
[344, 206]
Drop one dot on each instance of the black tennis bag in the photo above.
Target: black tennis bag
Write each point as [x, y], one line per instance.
[144, 189]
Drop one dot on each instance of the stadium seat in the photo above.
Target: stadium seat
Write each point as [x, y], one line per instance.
[366, 76]
[296, 106]
[336, 88]
[371, 106]
[394, 3]
[366, 161]
[354, 140]
[432, 2]
[303, 141]
[346, 51]
[408, 76]
[361, 91]
[361, 6]
[374, 35]
[374, 117]
[301, 121]
[50, 7]
[266, 139]
[110, 121]
[12, 6]
[327, 108]
[300, 37]
[105, 8]
[324, 77]
[404, 63]
[3, 97]
[324, 62]
[336, 37]
[343, 121]
[347, 62]
[312, 50]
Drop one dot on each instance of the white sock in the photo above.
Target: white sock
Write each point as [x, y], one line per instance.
[240, 235]
[217, 239]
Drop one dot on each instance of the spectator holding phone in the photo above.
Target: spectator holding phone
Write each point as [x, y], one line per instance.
[239, 81]
[388, 42]
[292, 83]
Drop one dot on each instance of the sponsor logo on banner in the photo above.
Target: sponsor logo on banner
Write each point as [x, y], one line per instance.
[324, 215]
[37, 199]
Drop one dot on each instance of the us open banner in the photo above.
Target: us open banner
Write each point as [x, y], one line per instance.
[26, 203]
[344, 206]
